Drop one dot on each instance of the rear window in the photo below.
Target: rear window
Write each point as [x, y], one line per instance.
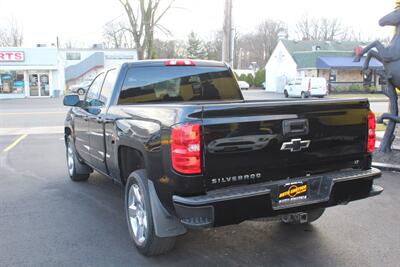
[177, 83]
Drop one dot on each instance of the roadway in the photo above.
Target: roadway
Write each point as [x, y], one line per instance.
[48, 220]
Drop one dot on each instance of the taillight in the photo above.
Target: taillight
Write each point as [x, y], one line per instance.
[371, 132]
[309, 85]
[185, 149]
[179, 62]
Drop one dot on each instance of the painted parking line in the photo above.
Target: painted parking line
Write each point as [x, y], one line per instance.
[32, 130]
[32, 113]
[16, 142]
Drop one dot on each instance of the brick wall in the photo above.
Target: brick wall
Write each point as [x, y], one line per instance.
[349, 76]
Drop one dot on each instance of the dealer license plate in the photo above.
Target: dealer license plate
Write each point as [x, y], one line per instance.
[292, 192]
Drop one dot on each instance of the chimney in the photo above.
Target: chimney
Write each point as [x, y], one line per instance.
[282, 35]
[316, 48]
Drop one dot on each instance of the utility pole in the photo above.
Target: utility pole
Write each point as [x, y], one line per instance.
[227, 41]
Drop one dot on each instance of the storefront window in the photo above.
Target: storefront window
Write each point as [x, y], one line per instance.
[12, 82]
[39, 83]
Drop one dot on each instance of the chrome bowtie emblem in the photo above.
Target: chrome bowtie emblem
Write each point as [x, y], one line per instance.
[295, 145]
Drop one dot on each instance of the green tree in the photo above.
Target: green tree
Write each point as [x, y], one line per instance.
[250, 79]
[242, 77]
[260, 77]
[195, 47]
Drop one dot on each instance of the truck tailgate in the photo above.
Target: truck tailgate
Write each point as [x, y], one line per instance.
[259, 141]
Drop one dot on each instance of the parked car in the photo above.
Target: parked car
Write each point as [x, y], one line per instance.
[193, 154]
[81, 88]
[306, 87]
[243, 85]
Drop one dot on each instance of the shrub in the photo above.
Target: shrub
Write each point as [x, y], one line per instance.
[250, 79]
[355, 87]
[242, 77]
[260, 77]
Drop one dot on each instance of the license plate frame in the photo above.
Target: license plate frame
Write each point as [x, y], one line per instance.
[317, 189]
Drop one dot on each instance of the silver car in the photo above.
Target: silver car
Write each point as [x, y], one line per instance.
[81, 88]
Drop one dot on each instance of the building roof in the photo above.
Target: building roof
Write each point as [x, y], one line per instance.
[306, 53]
[345, 63]
[298, 46]
[308, 60]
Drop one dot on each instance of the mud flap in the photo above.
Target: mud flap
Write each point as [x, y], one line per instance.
[165, 224]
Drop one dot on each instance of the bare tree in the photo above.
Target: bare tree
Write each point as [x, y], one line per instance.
[144, 16]
[254, 49]
[267, 34]
[213, 47]
[116, 35]
[303, 28]
[165, 49]
[321, 29]
[12, 35]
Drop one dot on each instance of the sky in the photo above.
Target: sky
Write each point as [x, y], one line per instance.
[81, 21]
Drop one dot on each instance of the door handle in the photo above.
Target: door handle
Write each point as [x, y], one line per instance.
[86, 118]
[295, 127]
[103, 120]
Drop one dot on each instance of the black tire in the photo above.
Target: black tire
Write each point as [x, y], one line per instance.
[312, 216]
[286, 93]
[81, 91]
[152, 245]
[73, 163]
[303, 95]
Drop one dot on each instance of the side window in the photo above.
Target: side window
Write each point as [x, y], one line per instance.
[108, 87]
[94, 91]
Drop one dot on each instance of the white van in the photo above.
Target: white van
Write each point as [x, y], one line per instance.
[305, 87]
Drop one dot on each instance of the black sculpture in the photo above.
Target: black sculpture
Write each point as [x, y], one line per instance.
[390, 58]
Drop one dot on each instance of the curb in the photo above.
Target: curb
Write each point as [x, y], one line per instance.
[377, 100]
[386, 166]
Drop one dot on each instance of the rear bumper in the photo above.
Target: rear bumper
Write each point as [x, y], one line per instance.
[236, 204]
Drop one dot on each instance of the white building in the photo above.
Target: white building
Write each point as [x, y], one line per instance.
[48, 71]
[83, 64]
[329, 59]
[279, 68]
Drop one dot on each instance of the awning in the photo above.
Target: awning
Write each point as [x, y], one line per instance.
[345, 63]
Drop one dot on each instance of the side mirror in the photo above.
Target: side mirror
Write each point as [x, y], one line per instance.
[71, 100]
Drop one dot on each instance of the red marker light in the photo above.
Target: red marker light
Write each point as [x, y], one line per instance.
[179, 62]
[371, 132]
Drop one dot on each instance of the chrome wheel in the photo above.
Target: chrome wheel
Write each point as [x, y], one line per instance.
[137, 214]
[70, 160]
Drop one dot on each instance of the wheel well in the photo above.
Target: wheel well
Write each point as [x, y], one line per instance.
[67, 131]
[129, 160]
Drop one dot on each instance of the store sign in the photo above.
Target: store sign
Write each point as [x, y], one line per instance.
[12, 56]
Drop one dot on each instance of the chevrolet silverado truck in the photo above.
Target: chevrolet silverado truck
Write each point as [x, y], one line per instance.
[192, 153]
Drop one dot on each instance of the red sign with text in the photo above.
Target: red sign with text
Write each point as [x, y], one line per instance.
[11, 56]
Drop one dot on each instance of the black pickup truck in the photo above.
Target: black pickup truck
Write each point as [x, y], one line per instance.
[192, 153]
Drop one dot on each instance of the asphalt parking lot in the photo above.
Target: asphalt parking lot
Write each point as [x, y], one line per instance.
[48, 220]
